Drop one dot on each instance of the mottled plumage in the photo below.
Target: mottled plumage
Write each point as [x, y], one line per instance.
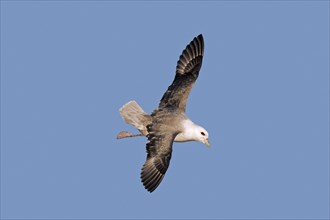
[168, 122]
[187, 71]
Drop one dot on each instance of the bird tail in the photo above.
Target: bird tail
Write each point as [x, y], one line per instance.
[134, 115]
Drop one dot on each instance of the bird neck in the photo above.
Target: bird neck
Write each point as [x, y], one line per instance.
[188, 133]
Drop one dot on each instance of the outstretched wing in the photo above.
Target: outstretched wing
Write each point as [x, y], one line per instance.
[187, 71]
[159, 151]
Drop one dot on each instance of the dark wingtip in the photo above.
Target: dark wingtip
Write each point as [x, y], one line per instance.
[150, 176]
[201, 38]
[193, 51]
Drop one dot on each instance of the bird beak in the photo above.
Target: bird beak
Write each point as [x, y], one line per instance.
[207, 143]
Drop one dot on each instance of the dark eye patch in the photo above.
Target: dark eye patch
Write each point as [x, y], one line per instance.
[202, 133]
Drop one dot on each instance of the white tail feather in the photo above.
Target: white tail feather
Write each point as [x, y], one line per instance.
[134, 115]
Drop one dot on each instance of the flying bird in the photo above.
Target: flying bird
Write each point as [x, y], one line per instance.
[169, 121]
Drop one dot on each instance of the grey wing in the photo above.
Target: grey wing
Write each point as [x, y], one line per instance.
[187, 71]
[159, 151]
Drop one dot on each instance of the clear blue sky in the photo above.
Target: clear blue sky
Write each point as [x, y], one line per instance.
[262, 94]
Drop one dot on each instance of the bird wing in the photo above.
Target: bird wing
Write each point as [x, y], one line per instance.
[187, 70]
[159, 152]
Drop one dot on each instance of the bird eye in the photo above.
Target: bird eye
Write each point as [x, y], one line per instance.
[202, 133]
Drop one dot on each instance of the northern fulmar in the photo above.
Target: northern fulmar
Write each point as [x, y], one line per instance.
[168, 122]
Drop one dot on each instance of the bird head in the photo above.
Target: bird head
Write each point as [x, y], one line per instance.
[202, 136]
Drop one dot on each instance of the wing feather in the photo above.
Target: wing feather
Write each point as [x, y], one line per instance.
[187, 71]
[159, 151]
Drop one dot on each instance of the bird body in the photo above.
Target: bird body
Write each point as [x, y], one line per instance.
[169, 122]
[133, 114]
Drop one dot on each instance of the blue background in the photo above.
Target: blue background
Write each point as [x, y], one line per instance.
[262, 94]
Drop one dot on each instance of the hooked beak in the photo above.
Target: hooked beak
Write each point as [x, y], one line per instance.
[207, 142]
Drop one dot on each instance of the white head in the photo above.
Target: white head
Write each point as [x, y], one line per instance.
[193, 132]
[201, 135]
